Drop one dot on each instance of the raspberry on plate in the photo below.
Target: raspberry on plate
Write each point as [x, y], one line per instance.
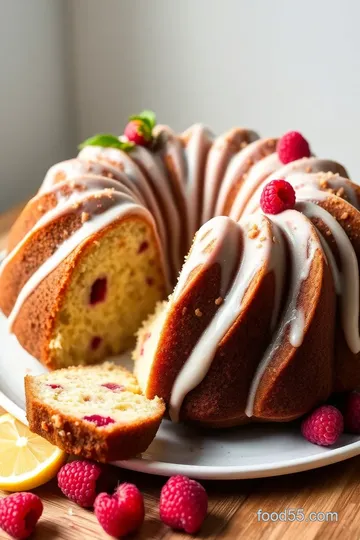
[323, 426]
[277, 196]
[122, 513]
[352, 413]
[19, 514]
[292, 146]
[183, 504]
[78, 480]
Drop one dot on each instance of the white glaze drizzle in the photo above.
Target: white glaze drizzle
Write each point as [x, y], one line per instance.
[277, 266]
[223, 234]
[349, 274]
[332, 263]
[305, 165]
[316, 185]
[198, 140]
[156, 175]
[121, 159]
[237, 164]
[194, 370]
[221, 152]
[84, 188]
[76, 168]
[257, 176]
[297, 230]
[308, 186]
[169, 148]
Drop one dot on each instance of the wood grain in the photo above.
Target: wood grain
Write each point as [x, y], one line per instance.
[233, 506]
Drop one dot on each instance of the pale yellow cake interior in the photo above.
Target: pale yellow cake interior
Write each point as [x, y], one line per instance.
[128, 258]
[83, 393]
[148, 337]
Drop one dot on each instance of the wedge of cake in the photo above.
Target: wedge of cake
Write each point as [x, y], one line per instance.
[97, 412]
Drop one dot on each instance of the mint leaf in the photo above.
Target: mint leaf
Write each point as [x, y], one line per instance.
[147, 117]
[108, 141]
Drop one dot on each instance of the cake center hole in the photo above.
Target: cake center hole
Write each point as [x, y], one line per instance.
[98, 291]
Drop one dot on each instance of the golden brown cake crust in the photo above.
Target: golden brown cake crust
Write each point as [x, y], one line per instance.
[299, 378]
[81, 438]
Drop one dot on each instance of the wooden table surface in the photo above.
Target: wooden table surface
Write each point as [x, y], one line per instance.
[233, 505]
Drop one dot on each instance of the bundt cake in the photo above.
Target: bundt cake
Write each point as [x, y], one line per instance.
[97, 412]
[263, 322]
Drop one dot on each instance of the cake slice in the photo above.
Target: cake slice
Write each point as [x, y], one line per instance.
[97, 412]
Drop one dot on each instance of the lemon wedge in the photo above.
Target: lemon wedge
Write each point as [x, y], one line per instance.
[26, 460]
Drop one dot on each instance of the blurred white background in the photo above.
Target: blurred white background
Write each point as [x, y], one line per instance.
[71, 68]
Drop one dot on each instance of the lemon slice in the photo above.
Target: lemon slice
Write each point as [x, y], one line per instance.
[26, 460]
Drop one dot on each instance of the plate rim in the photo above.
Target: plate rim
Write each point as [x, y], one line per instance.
[206, 472]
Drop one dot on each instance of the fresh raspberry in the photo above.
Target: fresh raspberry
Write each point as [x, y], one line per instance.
[323, 426]
[292, 146]
[135, 132]
[352, 413]
[19, 514]
[183, 504]
[99, 420]
[122, 513]
[277, 196]
[80, 481]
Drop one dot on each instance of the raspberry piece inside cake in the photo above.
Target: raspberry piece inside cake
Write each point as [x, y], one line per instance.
[98, 291]
[99, 420]
[95, 343]
[143, 246]
[113, 386]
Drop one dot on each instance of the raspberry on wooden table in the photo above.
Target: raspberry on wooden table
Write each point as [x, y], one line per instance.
[183, 504]
[19, 514]
[323, 426]
[122, 513]
[79, 480]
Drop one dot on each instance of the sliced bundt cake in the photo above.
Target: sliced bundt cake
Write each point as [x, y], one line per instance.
[84, 268]
[97, 412]
[264, 320]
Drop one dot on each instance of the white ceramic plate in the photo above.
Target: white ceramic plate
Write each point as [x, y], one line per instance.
[248, 452]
